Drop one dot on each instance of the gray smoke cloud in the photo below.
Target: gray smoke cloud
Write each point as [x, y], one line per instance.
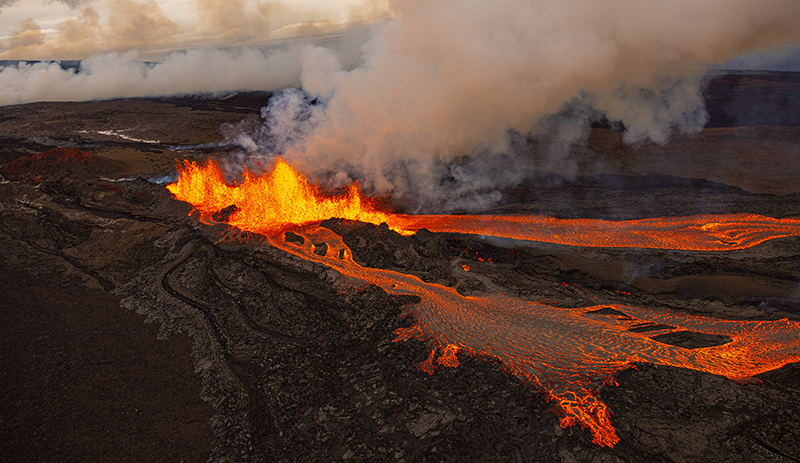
[74, 4]
[443, 90]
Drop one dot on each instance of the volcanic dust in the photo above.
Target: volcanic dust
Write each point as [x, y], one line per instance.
[282, 347]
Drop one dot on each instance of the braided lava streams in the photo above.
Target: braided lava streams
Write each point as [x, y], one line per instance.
[566, 352]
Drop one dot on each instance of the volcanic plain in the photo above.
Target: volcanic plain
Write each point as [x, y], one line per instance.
[131, 331]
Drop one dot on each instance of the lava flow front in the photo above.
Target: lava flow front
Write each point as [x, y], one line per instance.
[568, 353]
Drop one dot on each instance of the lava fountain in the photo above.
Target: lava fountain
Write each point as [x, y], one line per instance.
[566, 352]
[270, 202]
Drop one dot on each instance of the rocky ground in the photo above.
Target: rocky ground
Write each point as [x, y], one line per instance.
[252, 354]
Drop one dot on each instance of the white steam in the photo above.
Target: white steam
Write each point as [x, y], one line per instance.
[125, 75]
[439, 105]
[432, 111]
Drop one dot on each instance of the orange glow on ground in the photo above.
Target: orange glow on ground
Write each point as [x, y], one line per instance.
[567, 352]
[707, 232]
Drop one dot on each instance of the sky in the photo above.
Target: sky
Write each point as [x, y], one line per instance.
[78, 29]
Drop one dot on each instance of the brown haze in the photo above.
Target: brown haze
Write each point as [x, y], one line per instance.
[142, 25]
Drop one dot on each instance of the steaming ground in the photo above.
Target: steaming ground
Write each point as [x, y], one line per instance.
[297, 365]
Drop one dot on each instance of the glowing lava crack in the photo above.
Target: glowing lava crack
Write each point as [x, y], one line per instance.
[568, 353]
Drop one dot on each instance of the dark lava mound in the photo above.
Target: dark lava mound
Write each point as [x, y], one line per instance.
[60, 163]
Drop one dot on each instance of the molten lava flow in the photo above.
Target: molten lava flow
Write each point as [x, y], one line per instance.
[708, 232]
[566, 352]
[269, 202]
[282, 197]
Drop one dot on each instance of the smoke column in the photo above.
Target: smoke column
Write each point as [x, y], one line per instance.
[444, 86]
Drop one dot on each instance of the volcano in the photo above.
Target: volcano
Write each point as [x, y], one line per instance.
[655, 313]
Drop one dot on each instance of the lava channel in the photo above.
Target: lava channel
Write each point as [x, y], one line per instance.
[568, 353]
[281, 197]
[705, 232]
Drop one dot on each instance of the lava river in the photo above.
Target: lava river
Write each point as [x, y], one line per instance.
[568, 353]
[266, 203]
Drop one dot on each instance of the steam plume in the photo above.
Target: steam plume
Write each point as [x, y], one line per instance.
[439, 101]
[124, 75]
[449, 79]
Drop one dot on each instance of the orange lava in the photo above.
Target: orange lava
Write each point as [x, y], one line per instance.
[567, 352]
[283, 197]
[707, 232]
[269, 202]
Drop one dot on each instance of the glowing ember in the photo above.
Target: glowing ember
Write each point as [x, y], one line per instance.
[568, 353]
